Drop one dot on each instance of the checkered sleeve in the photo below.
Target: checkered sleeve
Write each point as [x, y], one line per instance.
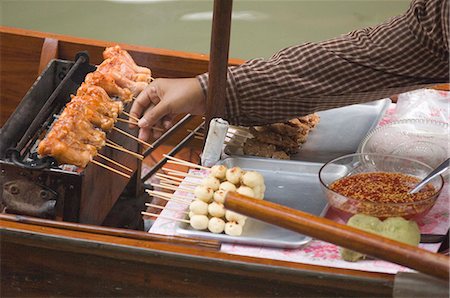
[409, 51]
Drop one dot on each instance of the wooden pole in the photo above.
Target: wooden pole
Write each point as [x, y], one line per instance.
[324, 229]
[218, 63]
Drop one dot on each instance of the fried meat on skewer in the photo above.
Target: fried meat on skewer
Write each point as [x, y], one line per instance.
[64, 145]
[108, 83]
[116, 51]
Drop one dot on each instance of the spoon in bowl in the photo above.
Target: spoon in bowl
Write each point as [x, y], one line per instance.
[437, 171]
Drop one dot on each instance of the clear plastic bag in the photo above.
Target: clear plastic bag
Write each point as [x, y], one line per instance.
[423, 104]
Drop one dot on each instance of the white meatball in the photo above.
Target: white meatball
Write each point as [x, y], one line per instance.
[252, 179]
[233, 228]
[211, 182]
[216, 225]
[216, 209]
[218, 171]
[246, 191]
[199, 207]
[199, 222]
[203, 193]
[259, 191]
[227, 186]
[191, 214]
[233, 216]
[219, 196]
[234, 175]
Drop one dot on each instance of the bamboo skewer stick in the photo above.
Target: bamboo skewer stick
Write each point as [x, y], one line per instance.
[163, 207]
[165, 217]
[111, 169]
[169, 195]
[175, 182]
[120, 148]
[180, 173]
[131, 116]
[132, 137]
[192, 165]
[184, 162]
[176, 199]
[135, 123]
[126, 121]
[172, 187]
[115, 162]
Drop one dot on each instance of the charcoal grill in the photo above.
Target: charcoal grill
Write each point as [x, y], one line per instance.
[41, 187]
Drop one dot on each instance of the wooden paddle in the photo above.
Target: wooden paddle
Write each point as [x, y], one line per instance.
[324, 229]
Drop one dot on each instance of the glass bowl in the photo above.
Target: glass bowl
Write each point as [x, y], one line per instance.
[359, 163]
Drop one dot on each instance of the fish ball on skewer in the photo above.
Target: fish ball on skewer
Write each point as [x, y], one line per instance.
[199, 207]
[227, 186]
[236, 217]
[252, 179]
[216, 225]
[233, 228]
[234, 175]
[191, 214]
[203, 193]
[199, 222]
[219, 196]
[246, 191]
[259, 191]
[215, 209]
[218, 171]
[211, 182]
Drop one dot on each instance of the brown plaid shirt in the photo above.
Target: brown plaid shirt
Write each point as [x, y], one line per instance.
[407, 52]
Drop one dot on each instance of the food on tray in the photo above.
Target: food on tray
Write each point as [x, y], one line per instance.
[381, 194]
[199, 222]
[279, 140]
[198, 207]
[79, 132]
[219, 171]
[216, 225]
[233, 228]
[209, 198]
[395, 228]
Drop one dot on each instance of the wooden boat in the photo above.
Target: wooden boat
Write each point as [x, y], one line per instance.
[49, 257]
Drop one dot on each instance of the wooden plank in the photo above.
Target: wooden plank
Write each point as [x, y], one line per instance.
[69, 261]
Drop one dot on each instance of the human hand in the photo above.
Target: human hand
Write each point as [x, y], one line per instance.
[163, 99]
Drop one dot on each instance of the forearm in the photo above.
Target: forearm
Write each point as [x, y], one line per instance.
[361, 66]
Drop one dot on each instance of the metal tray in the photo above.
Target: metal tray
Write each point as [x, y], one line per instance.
[339, 132]
[290, 183]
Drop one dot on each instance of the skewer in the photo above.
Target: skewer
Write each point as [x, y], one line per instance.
[131, 116]
[198, 138]
[172, 187]
[120, 148]
[131, 136]
[135, 123]
[126, 121]
[187, 163]
[111, 169]
[115, 162]
[180, 173]
[165, 217]
[174, 180]
[192, 165]
[168, 196]
[169, 183]
[162, 208]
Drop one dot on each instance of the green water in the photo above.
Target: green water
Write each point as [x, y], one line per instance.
[259, 28]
